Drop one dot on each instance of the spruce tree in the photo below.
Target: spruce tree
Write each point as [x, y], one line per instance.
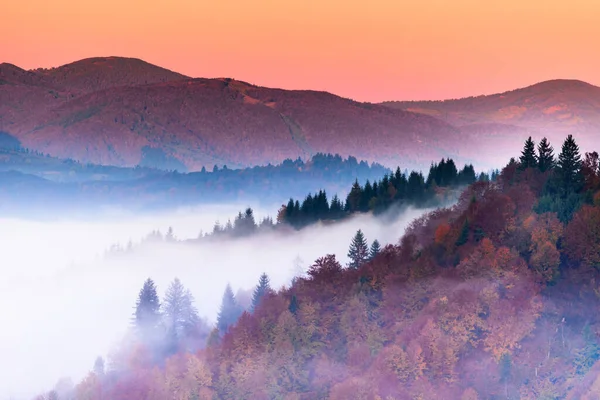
[546, 160]
[528, 157]
[180, 315]
[359, 250]
[293, 307]
[260, 291]
[336, 209]
[464, 234]
[353, 199]
[147, 312]
[230, 311]
[99, 367]
[374, 250]
[569, 166]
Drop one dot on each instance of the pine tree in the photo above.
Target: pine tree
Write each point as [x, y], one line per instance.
[374, 250]
[569, 166]
[293, 307]
[464, 234]
[260, 291]
[336, 209]
[230, 311]
[546, 160]
[99, 367]
[359, 250]
[528, 157]
[170, 236]
[180, 315]
[354, 197]
[147, 312]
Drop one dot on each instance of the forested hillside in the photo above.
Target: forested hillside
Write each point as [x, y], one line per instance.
[496, 297]
[31, 180]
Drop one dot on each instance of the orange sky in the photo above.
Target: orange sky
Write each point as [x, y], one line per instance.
[390, 49]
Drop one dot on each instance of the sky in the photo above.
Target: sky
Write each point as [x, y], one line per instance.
[368, 51]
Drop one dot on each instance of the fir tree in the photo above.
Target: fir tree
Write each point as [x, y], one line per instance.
[569, 166]
[374, 250]
[170, 236]
[293, 307]
[336, 209]
[359, 250]
[180, 315]
[354, 197]
[528, 157]
[464, 234]
[99, 367]
[230, 311]
[260, 291]
[546, 160]
[147, 312]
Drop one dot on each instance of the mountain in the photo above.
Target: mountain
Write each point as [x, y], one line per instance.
[492, 298]
[551, 108]
[118, 110]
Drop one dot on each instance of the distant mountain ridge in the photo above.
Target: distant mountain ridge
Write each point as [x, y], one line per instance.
[551, 108]
[116, 111]
[106, 110]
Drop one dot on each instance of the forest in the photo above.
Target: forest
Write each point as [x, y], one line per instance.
[31, 180]
[494, 297]
[394, 191]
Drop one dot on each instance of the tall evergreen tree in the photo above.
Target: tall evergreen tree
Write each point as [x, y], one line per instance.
[359, 250]
[147, 312]
[569, 166]
[99, 367]
[180, 315]
[464, 234]
[230, 311]
[528, 157]
[546, 160]
[336, 209]
[374, 250]
[260, 291]
[293, 307]
[353, 199]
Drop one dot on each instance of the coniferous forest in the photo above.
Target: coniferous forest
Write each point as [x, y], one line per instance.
[493, 297]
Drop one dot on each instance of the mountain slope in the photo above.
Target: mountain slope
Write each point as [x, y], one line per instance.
[108, 110]
[551, 108]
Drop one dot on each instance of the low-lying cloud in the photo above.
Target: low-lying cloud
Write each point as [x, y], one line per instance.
[63, 304]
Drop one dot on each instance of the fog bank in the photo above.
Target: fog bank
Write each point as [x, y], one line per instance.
[62, 304]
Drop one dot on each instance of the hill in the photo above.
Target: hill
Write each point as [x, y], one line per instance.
[495, 297]
[551, 108]
[30, 181]
[107, 110]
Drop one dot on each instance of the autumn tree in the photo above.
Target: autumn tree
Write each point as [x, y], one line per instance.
[582, 237]
[359, 250]
[260, 291]
[528, 157]
[591, 171]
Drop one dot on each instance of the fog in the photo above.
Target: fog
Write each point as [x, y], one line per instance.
[62, 303]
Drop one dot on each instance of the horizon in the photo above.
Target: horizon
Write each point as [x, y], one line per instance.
[385, 51]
